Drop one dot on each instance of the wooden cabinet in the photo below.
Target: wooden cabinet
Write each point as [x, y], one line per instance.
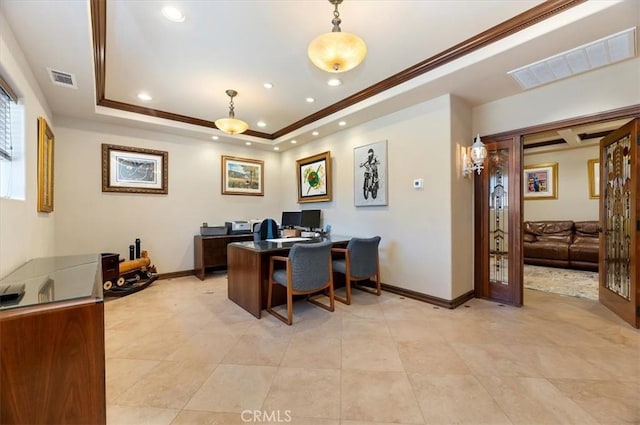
[52, 366]
[211, 251]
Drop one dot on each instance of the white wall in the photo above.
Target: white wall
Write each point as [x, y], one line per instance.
[416, 225]
[573, 201]
[24, 233]
[583, 95]
[92, 221]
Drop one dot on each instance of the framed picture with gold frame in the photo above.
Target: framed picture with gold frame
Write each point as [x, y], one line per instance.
[242, 176]
[134, 170]
[314, 178]
[593, 167]
[45, 166]
[541, 181]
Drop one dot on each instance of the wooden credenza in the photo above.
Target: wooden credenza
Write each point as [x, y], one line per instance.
[211, 251]
[52, 365]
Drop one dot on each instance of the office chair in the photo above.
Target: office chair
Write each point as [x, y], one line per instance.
[360, 262]
[308, 270]
[268, 230]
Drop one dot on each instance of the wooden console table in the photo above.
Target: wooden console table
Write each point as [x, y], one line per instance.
[52, 367]
[211, 251]
[248, 272]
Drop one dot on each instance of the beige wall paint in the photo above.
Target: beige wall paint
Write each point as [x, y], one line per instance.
[24, 233]
[573, 201]
[416, 225]
[461, 202]
[92, 221]
[586, 94]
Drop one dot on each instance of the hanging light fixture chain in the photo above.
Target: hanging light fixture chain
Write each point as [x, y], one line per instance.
[336, 21]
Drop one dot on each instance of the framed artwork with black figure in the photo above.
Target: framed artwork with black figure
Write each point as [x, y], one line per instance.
[370, 175]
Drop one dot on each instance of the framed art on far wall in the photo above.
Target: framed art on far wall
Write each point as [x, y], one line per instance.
[134, 170]
[370, 174]
[242, 176]
[593, 167]
[45, 166]
[541, 181]
[314, 178]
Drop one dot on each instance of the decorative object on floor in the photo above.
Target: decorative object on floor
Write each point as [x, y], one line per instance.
[231, 125]
[370, 174]
[337, 51]
[121, 278]
[473, 157]
[242, 176]
[541, 181]
[45, 166]
[134, 170]
[574, 283]
[314, 178]
[593, 167]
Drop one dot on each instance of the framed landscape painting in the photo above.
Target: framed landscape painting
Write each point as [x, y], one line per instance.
[242, 176]
[541, 181]
[314, 178]
[134, 170]
[370, 174]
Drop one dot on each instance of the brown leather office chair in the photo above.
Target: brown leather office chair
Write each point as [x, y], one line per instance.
[308, 271]
[360, 262]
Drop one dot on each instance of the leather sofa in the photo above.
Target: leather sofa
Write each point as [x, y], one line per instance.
[562, 243]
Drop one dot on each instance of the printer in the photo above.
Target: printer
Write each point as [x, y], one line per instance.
[238, 227]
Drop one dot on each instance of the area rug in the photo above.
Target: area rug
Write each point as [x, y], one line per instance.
[575, 283]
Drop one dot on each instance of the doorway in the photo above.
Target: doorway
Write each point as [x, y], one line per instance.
[511, 289]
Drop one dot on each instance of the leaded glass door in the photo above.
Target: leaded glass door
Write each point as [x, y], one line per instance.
[498, 246]
[619, 213]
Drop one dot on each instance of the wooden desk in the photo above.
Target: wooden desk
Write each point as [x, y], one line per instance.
[248, 272]
[52, 367]
[211, 251]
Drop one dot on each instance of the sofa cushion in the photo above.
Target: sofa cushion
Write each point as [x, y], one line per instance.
[528, 237]
[554, 250]
[534, 227]
[587, 228]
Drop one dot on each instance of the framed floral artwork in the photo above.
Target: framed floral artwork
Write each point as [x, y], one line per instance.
[541, 181]
[314, 178]
[242, 176]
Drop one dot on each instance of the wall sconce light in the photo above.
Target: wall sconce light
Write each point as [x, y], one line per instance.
[473, 157]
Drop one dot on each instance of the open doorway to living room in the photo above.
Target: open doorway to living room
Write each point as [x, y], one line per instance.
[561, 209]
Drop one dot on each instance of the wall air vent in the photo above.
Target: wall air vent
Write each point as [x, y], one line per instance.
[606, 51]
[60, 78]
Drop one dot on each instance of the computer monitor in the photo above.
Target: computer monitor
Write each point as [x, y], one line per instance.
[290, 219]
[310, 219]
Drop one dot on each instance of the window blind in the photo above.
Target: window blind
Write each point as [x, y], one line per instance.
[7, 97]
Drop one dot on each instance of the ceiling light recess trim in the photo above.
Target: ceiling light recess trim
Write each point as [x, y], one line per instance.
[605, 51]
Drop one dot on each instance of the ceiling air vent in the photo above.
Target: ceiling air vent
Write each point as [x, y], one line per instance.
[62, 78]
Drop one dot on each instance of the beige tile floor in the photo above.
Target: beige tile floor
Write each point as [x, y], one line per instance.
[180, 352]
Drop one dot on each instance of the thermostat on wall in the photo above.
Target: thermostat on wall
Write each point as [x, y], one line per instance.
[418, 183]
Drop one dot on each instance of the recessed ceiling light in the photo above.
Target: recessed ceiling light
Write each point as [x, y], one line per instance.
[268, 85]
[262, 124]
[215, 137]
[276, 148]
[310, 100]
[293, 142]
[342, 123]
[247, 143]
[144, 96]
[334, 82]
[315, 133]
[173, 14]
